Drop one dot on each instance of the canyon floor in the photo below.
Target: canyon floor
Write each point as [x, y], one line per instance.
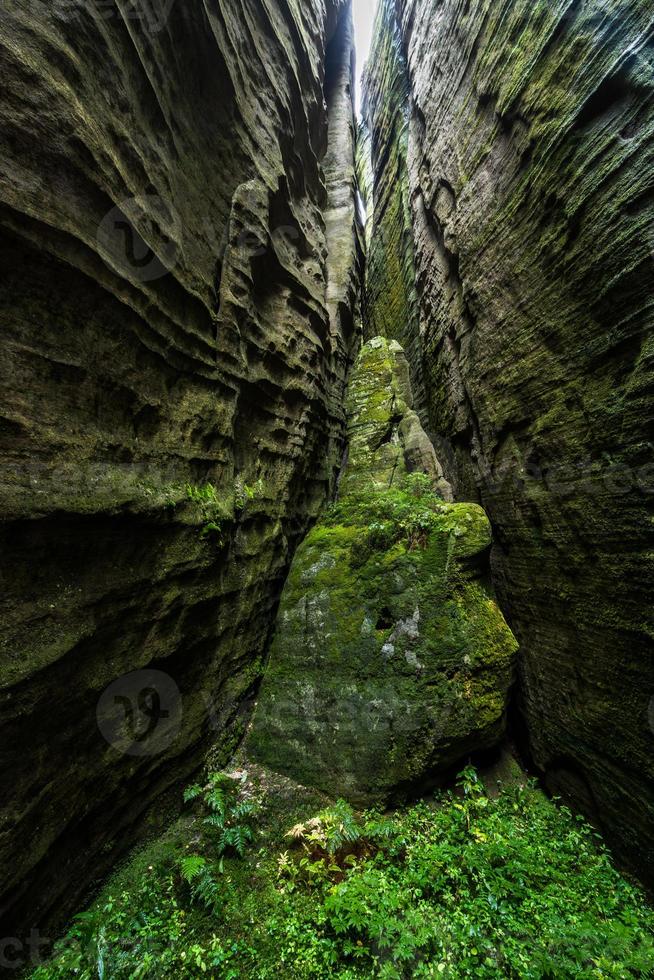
[262, 878]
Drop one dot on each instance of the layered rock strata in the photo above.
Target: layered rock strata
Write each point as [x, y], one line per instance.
[390, 302]
[178, 279]
[530, 162]
[391, 659]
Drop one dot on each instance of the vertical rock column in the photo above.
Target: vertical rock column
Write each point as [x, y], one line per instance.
[345, 244]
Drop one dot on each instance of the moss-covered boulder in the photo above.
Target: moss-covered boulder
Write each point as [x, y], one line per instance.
[391, 659]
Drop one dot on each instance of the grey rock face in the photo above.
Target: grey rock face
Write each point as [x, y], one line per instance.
[529, 164]
[177, 322]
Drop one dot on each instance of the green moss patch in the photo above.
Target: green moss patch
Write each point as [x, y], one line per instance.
[391, 658]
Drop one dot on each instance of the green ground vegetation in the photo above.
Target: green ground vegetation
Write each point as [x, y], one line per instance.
[263, 879]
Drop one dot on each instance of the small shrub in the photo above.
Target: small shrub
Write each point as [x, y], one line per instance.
[381, 535]
[418, 485]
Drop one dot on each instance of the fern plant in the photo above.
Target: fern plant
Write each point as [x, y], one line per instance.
[330, 832]
[228, 817]
[229, 822]
[334, 841]
[197, 874]
[212, 511]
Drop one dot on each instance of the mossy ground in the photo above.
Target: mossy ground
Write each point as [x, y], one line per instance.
[472, 883]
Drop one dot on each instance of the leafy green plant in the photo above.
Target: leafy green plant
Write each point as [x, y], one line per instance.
[462, 885]
[205, 495]
[406, 513]
[216, 512]
[416, 527]
[418, 485]
[331, 832]
[228, 817]
[212, 511]
[198, 875]
[380, 535]
[334, 840]
[243, 493]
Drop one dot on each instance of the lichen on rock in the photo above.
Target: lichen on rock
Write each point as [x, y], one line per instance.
[390, 659]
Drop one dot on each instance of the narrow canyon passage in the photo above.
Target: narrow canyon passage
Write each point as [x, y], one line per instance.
[328, 459]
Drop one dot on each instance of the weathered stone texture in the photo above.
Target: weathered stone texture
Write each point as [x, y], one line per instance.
[390, 303]
[129, 370]
[391, 659]
[531, 177]
[385, 440]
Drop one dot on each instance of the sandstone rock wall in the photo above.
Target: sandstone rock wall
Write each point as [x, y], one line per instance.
[390, 303]
[530, 171]
[176, 328]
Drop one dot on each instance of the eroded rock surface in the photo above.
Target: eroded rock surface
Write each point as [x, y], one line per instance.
[390, 305]
[530, 162]
[177, 318]
[386, 440]
[390, 658]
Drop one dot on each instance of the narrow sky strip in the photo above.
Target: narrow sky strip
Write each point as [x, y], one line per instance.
[364, 15]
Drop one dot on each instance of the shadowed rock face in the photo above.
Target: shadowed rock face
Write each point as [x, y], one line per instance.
[390, 303]
[530, 161]
[391, 659]
[176, 330]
